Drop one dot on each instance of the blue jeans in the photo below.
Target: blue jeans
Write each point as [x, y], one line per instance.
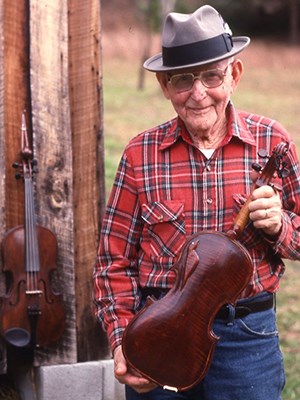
[247, 364]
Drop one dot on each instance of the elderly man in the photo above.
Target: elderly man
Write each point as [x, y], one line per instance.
[192, 174]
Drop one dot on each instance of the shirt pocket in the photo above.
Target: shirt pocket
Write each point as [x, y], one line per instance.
[165, 227]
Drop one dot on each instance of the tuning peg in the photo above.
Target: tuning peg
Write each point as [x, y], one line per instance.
[283, 173]
[262, 153]
[256, 167]
[34, 164]
[16, 165]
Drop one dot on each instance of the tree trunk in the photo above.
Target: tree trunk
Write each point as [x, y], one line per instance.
[294, 22]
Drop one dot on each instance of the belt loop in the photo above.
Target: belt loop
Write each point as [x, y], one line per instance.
[274, 301]
[231, 315]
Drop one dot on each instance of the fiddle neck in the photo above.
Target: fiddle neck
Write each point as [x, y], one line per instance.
[32, 261]
[274, 166]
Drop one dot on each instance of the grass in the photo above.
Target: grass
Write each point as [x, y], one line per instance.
[288, 316]
[270, 86]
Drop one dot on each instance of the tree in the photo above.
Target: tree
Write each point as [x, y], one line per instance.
[294, 21]
[153, 14]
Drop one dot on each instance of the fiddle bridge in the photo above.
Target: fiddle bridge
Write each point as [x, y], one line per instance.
[34, 292]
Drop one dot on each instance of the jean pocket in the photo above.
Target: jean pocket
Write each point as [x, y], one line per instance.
[262, 324]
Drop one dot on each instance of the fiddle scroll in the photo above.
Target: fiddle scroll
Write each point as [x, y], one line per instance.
[31, 313]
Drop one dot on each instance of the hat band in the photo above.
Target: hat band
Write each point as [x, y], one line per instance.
[197, 52]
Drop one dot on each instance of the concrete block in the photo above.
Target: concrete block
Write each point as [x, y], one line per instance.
[112, 389]
[82, 381]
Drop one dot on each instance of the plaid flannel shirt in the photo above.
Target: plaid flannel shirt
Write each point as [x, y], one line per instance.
[166, 190]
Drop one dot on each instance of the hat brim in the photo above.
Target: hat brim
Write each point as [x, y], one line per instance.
[155, 63]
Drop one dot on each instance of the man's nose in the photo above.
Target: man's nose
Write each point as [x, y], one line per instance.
[198, 89]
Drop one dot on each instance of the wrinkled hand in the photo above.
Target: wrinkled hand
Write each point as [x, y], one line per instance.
[266, 210]
[128, 376]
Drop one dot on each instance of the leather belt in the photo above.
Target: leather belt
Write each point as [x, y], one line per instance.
[242, 309]
[247, 308]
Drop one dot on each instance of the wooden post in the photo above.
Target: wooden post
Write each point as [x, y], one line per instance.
[14, 98]
[51, 65]
[85, 78]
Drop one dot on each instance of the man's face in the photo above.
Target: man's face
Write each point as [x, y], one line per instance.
[203, 108]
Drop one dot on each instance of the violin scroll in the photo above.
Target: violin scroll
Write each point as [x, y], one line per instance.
[276, 164]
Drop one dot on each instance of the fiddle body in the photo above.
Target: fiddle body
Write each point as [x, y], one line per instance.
[172, 328]
[31, 313]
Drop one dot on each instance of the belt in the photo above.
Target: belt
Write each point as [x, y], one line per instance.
[242, 309]
[246, 308]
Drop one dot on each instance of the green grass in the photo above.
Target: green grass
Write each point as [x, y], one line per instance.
[289, 328]
[270, 86]
[275, 94]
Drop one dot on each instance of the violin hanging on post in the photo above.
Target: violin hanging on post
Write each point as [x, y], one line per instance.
[31, 313]
[170, 341]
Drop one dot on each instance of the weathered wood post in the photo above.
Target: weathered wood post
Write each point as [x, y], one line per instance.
[50, 65]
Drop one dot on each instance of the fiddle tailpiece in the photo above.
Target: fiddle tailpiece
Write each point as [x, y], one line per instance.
[32, 312]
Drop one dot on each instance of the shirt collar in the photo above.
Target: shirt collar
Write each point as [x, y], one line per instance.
[237, 128]
[173, 133]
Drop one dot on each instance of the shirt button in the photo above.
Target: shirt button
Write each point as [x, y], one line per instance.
[209, 201]
[160, 217]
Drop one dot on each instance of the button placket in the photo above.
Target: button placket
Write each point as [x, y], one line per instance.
[207, 191]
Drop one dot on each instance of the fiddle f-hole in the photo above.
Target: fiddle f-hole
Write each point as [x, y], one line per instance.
[48, 299]
[14, 303]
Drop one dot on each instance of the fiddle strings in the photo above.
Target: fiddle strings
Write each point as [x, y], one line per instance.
[31, 243]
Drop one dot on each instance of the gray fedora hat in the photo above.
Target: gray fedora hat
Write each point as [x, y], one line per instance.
[195, 39]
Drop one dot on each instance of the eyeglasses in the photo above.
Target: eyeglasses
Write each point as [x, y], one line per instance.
[211, 78]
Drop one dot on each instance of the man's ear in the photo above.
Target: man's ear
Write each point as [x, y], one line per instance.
[237, 72]
[162, 78]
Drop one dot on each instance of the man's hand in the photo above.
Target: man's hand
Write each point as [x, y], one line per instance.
[266, 210]
[128, 376]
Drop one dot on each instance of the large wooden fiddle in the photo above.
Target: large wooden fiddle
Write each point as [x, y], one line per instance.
[171, 341]
[31, 313]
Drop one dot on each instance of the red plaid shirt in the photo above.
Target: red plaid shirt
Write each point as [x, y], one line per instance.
[166, 190]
